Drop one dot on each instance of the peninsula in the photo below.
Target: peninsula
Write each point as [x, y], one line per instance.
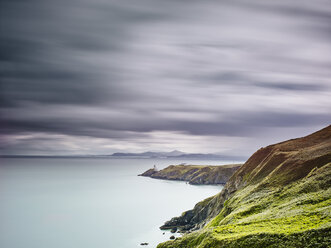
[195, 174]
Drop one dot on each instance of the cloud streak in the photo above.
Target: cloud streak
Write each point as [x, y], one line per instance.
[121, 75]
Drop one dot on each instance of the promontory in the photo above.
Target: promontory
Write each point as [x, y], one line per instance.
[194, 174]
[280, 198]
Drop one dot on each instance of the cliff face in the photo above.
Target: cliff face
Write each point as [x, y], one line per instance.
[195, 174]
[283, 190]
[285, 162]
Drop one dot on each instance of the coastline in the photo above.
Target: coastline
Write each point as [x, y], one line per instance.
[194, 174]
[280, 197]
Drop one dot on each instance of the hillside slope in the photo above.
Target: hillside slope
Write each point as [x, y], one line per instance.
[281, 197]
[195, 174]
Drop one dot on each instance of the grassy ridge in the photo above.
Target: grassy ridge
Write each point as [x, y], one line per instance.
[297, 215]
[281, 197]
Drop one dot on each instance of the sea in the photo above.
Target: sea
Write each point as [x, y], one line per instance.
[90, 202]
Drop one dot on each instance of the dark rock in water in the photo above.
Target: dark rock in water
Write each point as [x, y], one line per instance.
[173, 230]
[148, 173]
[172, 237]
[143, 243]
[184, 222]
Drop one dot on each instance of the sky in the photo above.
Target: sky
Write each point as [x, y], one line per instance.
[212, 76]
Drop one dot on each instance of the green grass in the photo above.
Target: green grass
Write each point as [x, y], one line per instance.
[261, 215]
[320, 238]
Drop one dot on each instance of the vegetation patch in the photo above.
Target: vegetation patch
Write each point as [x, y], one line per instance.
[274, 217]
[281, 197]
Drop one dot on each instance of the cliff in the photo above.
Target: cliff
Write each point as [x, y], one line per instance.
[195, 174]
[281, 197]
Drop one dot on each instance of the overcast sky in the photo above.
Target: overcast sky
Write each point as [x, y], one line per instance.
[102, 76]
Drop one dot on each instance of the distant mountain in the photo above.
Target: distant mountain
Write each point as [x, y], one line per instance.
[174, 154]
[149, 154]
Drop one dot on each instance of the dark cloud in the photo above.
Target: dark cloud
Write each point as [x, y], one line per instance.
[292, 86]
[244, 125]
[161, 74]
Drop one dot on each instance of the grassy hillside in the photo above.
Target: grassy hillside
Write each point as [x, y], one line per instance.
[195, 174]
[281, 197]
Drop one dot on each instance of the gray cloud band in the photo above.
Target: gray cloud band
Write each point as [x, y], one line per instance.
[201, 68]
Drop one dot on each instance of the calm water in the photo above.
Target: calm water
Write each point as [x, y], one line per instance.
[85, 203]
